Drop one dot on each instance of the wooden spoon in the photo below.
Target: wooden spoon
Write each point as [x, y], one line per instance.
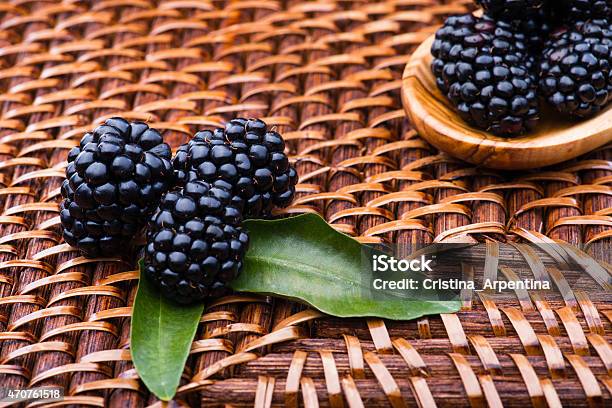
[555, 139]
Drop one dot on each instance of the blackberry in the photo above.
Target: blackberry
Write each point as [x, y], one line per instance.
[576, 69]
[510, 10]
[581, 10]
[248, 158]
[114, 180]
[536, 28]
[485, 70]
[195, 244]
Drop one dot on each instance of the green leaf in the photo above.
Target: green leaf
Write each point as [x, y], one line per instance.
[300, 258]
[304, 258]
[161, 337]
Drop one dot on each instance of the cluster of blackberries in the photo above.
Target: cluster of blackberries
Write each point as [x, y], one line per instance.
[494, 69]
[114, 180]
[122, 175]
[195, 244]
[576, 68]
[249, 157]
[222, 176]
[485, 70]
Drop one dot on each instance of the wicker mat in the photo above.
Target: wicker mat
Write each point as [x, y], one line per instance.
[327, 74]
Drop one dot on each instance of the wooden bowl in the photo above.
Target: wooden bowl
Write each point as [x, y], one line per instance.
[556, 138]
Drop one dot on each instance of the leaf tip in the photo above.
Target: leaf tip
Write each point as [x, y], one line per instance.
[165, 397]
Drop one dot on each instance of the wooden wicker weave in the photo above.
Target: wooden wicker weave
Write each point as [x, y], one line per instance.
[327, 75]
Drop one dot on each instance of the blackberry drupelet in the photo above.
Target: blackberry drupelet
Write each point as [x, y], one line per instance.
[114, 180]
[248, 158]
[195, 244]
[510, 10]
[485, 70]
[576, 69]
[581, 10]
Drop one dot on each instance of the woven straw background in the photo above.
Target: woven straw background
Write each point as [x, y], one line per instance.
[327, 74]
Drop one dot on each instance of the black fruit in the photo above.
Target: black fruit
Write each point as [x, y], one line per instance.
[247, 158]
[114, 180]
[581, 10]
[485, 70]
[511, 10]
[195, 244]
[536, 28]
[533, 19]
[576, 69]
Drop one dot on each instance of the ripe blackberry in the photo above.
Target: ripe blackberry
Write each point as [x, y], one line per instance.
[114, 180]
[510, 10]
[536, 28]
[485, 70]
[576, 69]
[195, 244]
[581, 10]
[248, 157]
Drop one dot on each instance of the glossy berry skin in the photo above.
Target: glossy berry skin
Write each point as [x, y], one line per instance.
[246, 157]
[510, 10]
[195, 244]
[533, 19]
[485, 70]
[576, 69]
[114, 180]
[536, 28]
